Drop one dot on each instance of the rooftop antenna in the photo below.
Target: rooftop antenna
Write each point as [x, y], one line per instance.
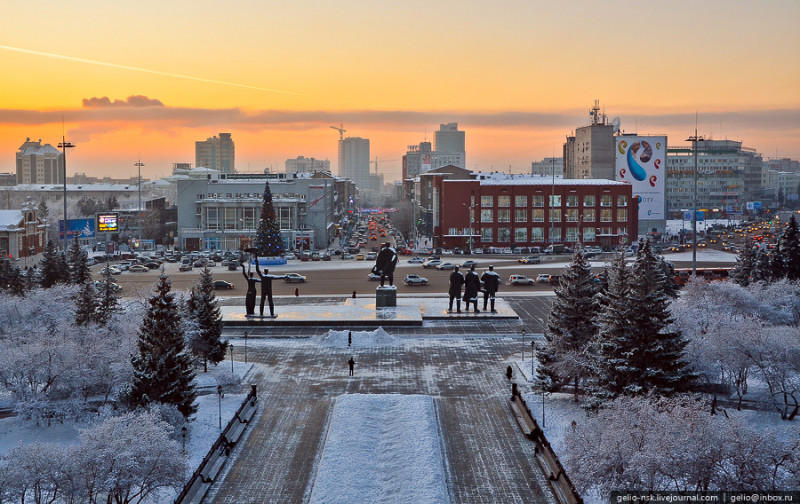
[595, 113]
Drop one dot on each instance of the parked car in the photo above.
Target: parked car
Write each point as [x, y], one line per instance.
[543, 278]
[347, 256]
[188, 267]
[139, 268]
[115, 287]
[445, 266]
[555, 279]
[112, 269]
[415, 280]
[222, 284]
[359, 257]
[152, 265]
[372, 256]
[520, 280]
[294, 277]
[326, 257]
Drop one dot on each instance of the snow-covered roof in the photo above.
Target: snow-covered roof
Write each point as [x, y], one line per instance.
[10, 218]
[75, 187]
[492, 179]
[32, 149]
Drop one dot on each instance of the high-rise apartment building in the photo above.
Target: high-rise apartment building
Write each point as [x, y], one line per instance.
[307, 165]
[590, 152]
[39, 164]
[216, 152]
[548, 167]
[450, 142]
[354, 161]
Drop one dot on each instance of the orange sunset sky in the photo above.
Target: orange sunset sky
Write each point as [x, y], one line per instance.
[518, 76]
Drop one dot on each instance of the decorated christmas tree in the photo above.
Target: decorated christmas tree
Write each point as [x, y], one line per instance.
[268, 235]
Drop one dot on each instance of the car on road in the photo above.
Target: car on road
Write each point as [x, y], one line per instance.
[431, 263]
[359, 257]
[115, 287]
[294, 277]
[520, 280]
[152, 265]
[468, 264]
[373, 276]
[416, 260]
[371, 256]
[139, 268]
[186, 267]
[534, 259]
[445, 266]
[415, 280]
[346, 256]
[222, 284]
[543, 278]
[111, 269]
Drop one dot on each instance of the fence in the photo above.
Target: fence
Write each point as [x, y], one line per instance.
[562, 486]
[196, 488]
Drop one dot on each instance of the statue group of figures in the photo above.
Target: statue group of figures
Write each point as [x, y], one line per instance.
[471, 283]
[265, 280]
[385, 263]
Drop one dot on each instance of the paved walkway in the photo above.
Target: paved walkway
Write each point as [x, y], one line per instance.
[489, 460]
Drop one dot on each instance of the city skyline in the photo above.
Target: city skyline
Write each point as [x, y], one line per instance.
[149, 80]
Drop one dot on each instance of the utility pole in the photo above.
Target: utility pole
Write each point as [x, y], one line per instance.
[139, 165]
[694, 139]
[64, 145]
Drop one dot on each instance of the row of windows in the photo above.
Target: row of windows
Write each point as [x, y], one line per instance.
[555, 200]
[537, 215]
[241, 218]
[523, 235]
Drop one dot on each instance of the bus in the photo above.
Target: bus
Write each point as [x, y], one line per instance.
[683, 275]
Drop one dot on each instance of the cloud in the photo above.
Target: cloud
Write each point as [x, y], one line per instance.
[131, 101]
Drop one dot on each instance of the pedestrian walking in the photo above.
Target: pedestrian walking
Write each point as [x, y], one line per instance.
[509, 372]
[352, 365]
[297, 292]
[350, 338]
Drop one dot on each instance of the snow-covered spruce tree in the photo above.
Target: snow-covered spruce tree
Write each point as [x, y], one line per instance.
[657, 361]
[202, 306]
[162, 368]
[52, 266]
[671, 287]
[777, 263]
[86, 305]
[78, 265]
[761, 270]
[790, 246]
[615, 340]
[571, 327]
[31, 278]
[745, 263]
[268, 234]
[107, 299]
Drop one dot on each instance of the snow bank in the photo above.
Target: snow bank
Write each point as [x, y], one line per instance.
[381, 448]
[378, 337]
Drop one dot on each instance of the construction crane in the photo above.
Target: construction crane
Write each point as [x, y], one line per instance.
[341, 130]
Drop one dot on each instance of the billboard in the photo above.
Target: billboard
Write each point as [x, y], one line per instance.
[82, 228]
[641, 161]
[107, 222]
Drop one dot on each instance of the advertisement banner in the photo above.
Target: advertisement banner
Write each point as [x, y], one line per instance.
[82, 228]
[107, 223]
[641, 162]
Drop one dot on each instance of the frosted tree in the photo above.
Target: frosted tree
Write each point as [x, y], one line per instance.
[615, 340]
[761, 268]
[78, 265]
[54, 268]
[570, 327]
[201, 306]
[658, 357]
[11, 280]
[790, 245]
[107, 299]
[745, 263]
[268, 239]
[671, 287]
[86, 305]
[162, 368]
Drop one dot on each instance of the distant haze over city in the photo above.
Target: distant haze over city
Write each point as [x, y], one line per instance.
[146, 82]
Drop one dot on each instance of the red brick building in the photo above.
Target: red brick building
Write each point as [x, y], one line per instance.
[498, 210]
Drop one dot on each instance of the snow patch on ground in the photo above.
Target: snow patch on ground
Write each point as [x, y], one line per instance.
[378, 337]
[381, 448]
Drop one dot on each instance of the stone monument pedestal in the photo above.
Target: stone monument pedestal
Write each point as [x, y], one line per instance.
[386, 296]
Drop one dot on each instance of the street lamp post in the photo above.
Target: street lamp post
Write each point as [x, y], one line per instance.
[64, 145]
[220, 395]
[523, 346]
[694, 139]
[231, 347]
[139, 165]
[533, 358]
[245, 347]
